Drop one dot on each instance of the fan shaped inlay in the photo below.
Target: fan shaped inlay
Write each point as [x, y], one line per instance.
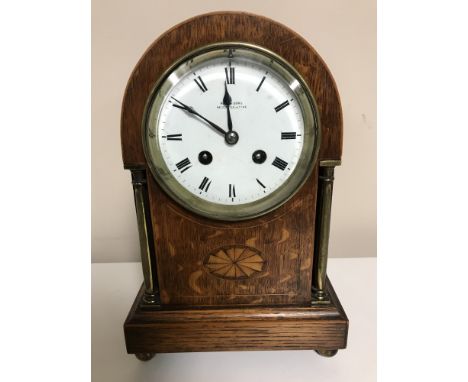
[236, 262]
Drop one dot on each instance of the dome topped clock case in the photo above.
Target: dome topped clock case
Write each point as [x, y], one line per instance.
[231, 126]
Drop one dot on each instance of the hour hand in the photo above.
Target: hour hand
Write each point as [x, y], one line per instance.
[227, 101]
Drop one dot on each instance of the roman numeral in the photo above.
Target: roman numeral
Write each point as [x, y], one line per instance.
[279, 163]
[260, 183]
[290, 135]
[281, 106]
[201, 84]
[232, 191]
[261, 83]
[184, 165]
[205, 184]
[173, 137]
[230, 75]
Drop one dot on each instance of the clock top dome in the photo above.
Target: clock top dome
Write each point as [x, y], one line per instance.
[221, 27]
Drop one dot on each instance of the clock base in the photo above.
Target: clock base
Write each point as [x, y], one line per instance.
[321, 327]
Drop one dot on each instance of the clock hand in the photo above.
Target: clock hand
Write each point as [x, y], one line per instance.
[194, 112]
[227, 100]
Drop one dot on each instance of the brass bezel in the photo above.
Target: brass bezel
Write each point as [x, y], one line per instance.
[312, 138]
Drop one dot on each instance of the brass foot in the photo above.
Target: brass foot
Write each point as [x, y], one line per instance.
[145, 356]
[327, 353]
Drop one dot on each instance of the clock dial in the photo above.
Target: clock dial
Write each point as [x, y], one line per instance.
[231, 133]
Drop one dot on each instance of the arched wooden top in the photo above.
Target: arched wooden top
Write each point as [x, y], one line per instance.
[220, 27]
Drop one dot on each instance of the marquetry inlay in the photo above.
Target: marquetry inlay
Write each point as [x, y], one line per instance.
[236, 262]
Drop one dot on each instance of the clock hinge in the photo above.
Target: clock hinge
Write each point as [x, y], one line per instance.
[148, 259]
[322, 232]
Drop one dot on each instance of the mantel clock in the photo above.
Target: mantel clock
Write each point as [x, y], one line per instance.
[231, 127]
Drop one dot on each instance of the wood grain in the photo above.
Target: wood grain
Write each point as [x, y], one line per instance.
[284, 239]
[222, 27]
[321, 327]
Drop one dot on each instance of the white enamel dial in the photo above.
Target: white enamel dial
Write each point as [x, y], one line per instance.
[228, 129]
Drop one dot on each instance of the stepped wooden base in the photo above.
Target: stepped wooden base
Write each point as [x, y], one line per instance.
[322, 327]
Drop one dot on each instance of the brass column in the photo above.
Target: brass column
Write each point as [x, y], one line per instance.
[322, 231]
[148, 260]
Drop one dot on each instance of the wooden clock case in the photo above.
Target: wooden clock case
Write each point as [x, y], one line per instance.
[288, 302]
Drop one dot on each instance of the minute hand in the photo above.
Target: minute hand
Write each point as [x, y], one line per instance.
[194, 112]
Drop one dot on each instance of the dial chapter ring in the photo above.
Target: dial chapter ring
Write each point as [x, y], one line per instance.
[282, 194]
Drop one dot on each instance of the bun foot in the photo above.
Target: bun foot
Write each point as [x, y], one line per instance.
[327, 353]
[145, 356]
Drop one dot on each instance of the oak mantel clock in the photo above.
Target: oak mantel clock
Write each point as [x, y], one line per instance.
[231, 127]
